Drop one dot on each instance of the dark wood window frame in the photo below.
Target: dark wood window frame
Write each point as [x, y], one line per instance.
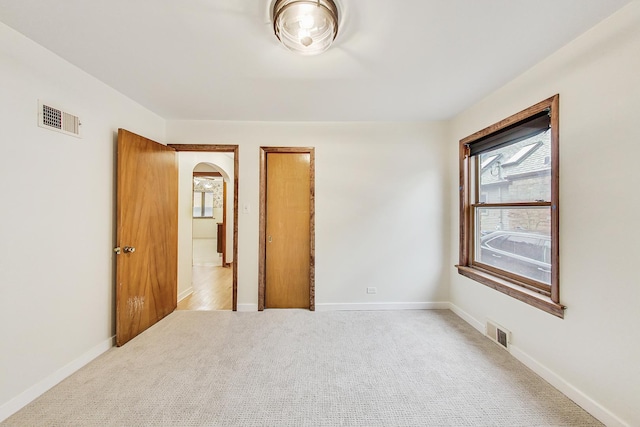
[544, 298]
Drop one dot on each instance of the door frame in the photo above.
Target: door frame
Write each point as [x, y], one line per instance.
[236, 162]
[263, 221]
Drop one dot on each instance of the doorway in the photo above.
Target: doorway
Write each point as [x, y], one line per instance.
[207, 271]
[287, 242]
[211, 278]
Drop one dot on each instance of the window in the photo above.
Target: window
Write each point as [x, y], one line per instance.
[522, 153]
[487, 160]
[509, 206]
[206, 191]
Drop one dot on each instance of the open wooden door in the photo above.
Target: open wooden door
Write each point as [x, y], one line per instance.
[147, 234]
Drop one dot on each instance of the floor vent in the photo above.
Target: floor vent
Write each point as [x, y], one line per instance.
[498, 334]
[60, 121]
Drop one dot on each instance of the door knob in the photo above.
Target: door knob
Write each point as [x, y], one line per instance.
[129, 249]
[117, 250]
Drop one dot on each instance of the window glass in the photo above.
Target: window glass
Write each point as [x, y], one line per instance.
[208, 204]
[514, 219]
[517, 240]
[197, 204]
[488, 159]
[521, 154]
[207, 195]
[517, 172]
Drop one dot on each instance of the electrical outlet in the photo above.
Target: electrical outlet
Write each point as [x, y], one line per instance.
[372, 290]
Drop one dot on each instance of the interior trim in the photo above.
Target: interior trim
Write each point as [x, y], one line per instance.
[516, 291]
[236, 173]
[263, 222]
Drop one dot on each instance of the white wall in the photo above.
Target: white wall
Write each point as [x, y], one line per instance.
[187, 161]
[386, 216]
[207, 228]
[57, 223]
[593, 354]
[379, 206]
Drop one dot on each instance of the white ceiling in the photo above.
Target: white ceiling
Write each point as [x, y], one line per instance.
[402, 60]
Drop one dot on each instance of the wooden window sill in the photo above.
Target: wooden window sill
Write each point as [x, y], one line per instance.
[535, 299]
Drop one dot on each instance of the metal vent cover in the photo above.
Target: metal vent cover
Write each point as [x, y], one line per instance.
[498, 334]
[53, 118]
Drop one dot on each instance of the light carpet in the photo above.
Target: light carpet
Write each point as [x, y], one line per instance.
[299, 368]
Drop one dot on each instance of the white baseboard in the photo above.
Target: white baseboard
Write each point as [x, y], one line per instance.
[383, 306]
[35, 391]
[591, 406]
[247, 307]
[185, 293]
[468, 318]
[588, 404]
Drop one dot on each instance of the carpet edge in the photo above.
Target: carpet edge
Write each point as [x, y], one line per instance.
[32, 393]
[594, 408]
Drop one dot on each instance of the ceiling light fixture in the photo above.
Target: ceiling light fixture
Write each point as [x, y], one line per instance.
[307, 27]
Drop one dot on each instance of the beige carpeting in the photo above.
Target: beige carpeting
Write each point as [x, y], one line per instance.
[298, 368]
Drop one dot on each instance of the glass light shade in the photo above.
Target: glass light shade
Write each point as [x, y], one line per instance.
[307, 27]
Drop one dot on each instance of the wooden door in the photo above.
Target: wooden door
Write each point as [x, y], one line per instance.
[287, 252]
[147, 234]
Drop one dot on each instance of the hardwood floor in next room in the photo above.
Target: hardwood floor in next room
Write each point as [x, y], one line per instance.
[211, 282]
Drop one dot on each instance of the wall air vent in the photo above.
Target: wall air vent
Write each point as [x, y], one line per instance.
[55, 119]
[498, 334]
